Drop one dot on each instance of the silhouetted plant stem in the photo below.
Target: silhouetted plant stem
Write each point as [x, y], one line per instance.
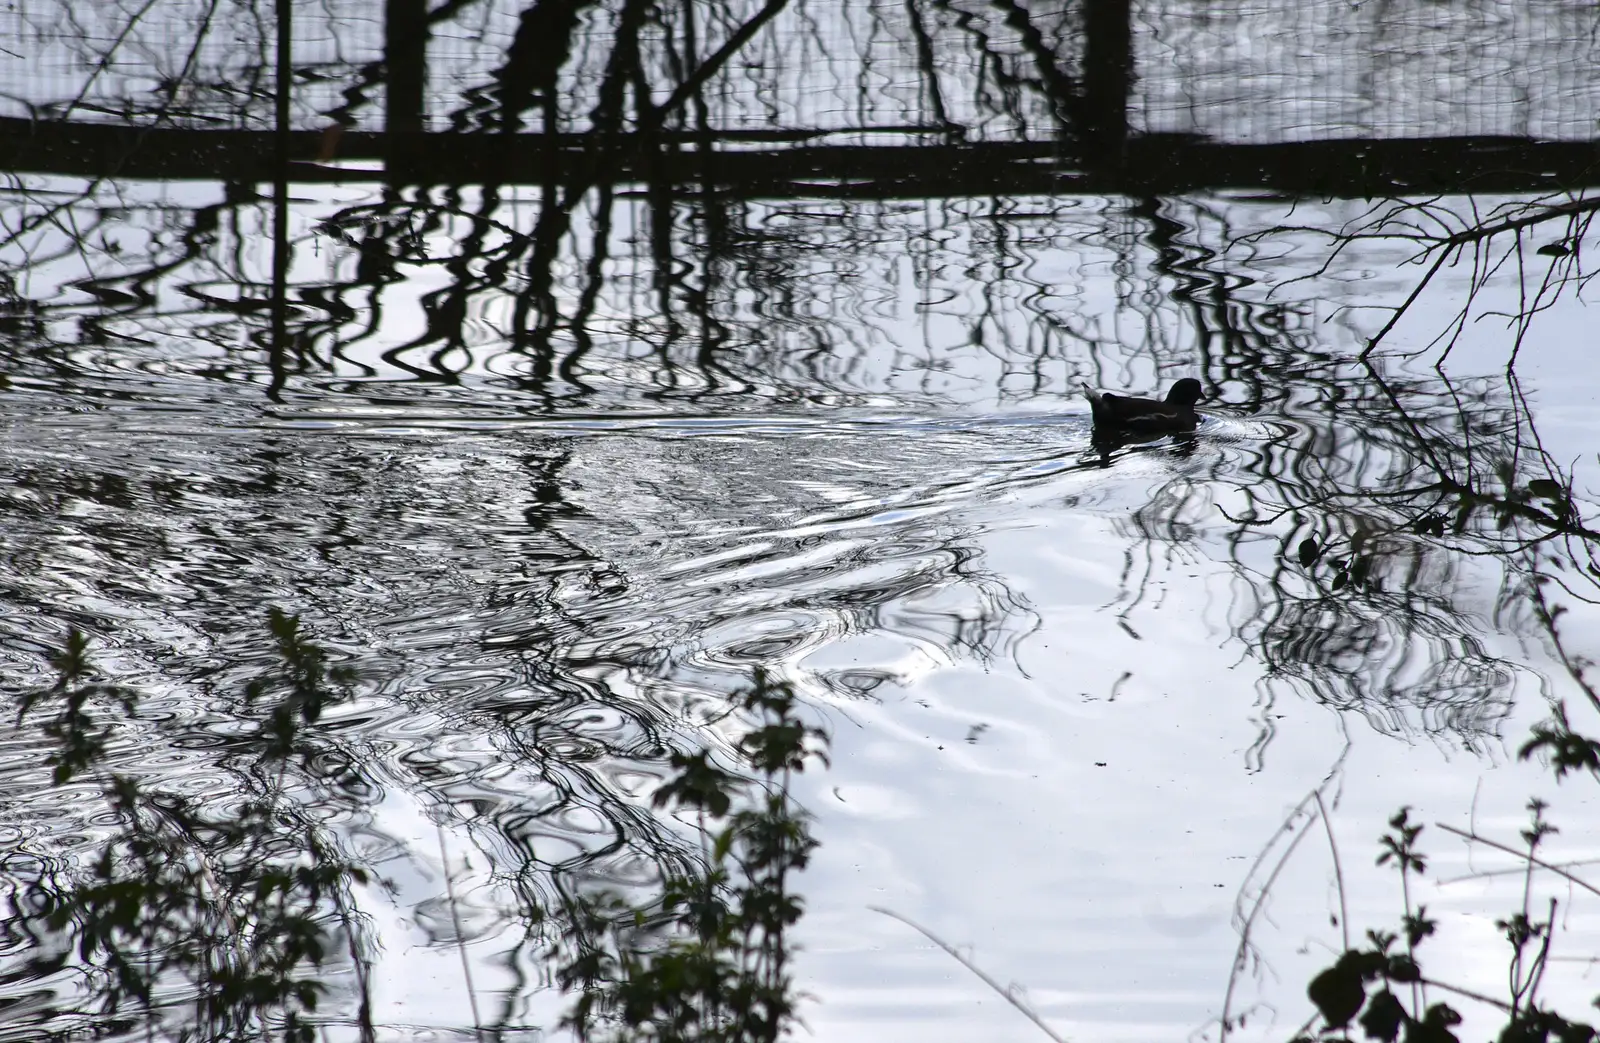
[1247, 926]
[1478, 838]
[1338, 870]
[455, 922]
[1009, 995]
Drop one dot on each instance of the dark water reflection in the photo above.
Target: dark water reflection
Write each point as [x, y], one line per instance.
[554, 455]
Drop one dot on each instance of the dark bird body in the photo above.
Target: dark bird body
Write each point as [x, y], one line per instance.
[1127, 414]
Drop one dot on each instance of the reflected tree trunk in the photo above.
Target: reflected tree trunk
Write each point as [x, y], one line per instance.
[405, 62]
[1107, 81]
[279, 333]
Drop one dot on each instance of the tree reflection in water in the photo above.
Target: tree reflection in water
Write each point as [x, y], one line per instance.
[641, 254]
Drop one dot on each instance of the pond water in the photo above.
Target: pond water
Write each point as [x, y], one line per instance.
[1122, 724]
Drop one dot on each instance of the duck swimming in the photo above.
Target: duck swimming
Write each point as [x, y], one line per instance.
[1146, 416]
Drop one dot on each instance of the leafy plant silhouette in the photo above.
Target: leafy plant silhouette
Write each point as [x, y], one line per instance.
[707, 960]
[1366, 985]
[195, 924]
[192, 923]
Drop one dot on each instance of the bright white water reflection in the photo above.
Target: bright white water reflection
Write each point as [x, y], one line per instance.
[1074, 696]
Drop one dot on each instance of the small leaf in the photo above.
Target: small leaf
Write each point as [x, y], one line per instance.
[1547, 488]
[1403, 968]
[1574, 1031]
[1568, 750]
[1383, 1017]
[1429, 525]
[1309, 552]
[1341, 579]
[1554, 250]
[1338, 994]
[724, 844]
[1434, 1026]
[1369, 964]
[697, 784]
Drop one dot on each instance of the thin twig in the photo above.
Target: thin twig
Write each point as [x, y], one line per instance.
[1010, 997]
[1249, 919]
[1508, 849]
[1468, 993]
[1416, 292]
[1338, 872]
[455, 920]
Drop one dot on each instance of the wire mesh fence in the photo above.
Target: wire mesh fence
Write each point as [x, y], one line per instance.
[1266, 71]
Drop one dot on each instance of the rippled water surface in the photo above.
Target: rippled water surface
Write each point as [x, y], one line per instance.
[555, 469]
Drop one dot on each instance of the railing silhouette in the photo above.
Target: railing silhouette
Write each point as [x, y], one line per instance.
[1148, 164]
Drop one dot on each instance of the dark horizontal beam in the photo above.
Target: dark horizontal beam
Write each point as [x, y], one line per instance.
[793, 163]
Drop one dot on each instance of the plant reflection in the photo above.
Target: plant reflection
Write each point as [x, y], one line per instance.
[1362, 538]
